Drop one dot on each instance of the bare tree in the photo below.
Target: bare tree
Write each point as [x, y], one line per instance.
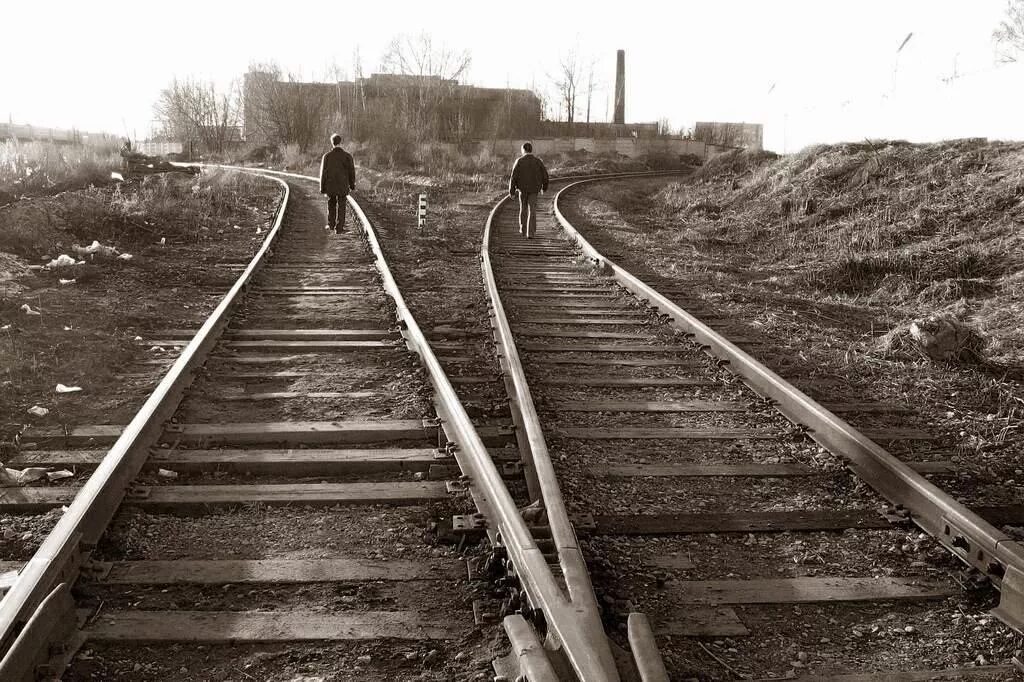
[567, 81]
[190, 110]
[591, 85]
[285, 110]
[1009, 36]
[429, 89]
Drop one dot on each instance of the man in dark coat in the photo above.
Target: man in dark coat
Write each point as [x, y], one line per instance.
[337, 179]
[529, 177]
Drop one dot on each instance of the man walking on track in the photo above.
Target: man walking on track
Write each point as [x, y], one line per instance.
[337, 179]
[529, 176]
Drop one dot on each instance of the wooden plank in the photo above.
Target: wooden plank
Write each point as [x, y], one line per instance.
[890, 434]
[649, 406]
[314, 334]
[264, 287]
[700, 470]
[804, 590]
[249, 626]
[363, 293]
[738, 522]
[294, 462]
[189, 497]
[868, 408]
[321, 346]
[300, 432]
[663, 433]
[248, 433]
[617, 362]
[635, 382]
[748, 470]
[566, 288]
[606, 296]
[1000, 672]
[636, 320]
[283, 571]
[288, 334]
[700, 622]
[92, 434]
[576, 310]
[263, 358]
[291, 395]
[562, 334]
[600, 348]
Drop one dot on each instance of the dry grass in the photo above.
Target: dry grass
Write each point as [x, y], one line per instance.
[37, 168]
[917, 227]
[173, 206]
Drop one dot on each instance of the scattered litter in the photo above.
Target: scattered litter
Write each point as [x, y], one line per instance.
[99, 249]
[5, 328]
[258, 230]
[67, 328]
[238, 227]
[163, 241]
[114, 175]
[166, 473]
[138, 338]
[125, 256]
[58, 475]
[37, 411]
[23, 476]
[157, 349]
[27, 309]
[61, 388]
[66, 281]
[63, 260]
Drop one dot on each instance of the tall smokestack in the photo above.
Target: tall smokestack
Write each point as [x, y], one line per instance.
[620, 87]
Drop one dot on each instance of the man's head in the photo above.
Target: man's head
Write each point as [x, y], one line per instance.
[527, 148]
[336, 140]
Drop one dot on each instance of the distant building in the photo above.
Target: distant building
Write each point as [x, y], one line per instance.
[747, 135]
[440, 109]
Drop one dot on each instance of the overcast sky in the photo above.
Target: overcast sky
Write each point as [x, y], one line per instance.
[834, 66]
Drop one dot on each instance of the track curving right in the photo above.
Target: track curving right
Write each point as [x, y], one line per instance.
[754, 552]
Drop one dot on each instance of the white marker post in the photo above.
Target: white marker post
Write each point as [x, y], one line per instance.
[421, 221]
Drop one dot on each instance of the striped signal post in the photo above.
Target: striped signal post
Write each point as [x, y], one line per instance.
[421, 220]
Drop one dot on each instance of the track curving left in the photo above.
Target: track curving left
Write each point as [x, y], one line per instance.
[276, 528]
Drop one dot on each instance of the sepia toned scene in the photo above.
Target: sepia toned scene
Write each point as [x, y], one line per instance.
[538, 343]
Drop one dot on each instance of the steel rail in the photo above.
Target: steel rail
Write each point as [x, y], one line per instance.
[969, 537]
[570, 557]
[575, 626]
[59, 557]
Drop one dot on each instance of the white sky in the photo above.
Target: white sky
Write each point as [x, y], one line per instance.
[100, 65]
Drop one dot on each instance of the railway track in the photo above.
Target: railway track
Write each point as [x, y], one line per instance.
[276, 489]
[761, 535]
[679, 513]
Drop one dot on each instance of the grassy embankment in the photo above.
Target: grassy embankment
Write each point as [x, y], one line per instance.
[40, 168]
[915, 228]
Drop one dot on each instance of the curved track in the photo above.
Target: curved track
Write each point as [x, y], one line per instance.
[753, 551]
[276, 488]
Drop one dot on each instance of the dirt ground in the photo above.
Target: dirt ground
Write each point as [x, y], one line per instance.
[91, 332]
